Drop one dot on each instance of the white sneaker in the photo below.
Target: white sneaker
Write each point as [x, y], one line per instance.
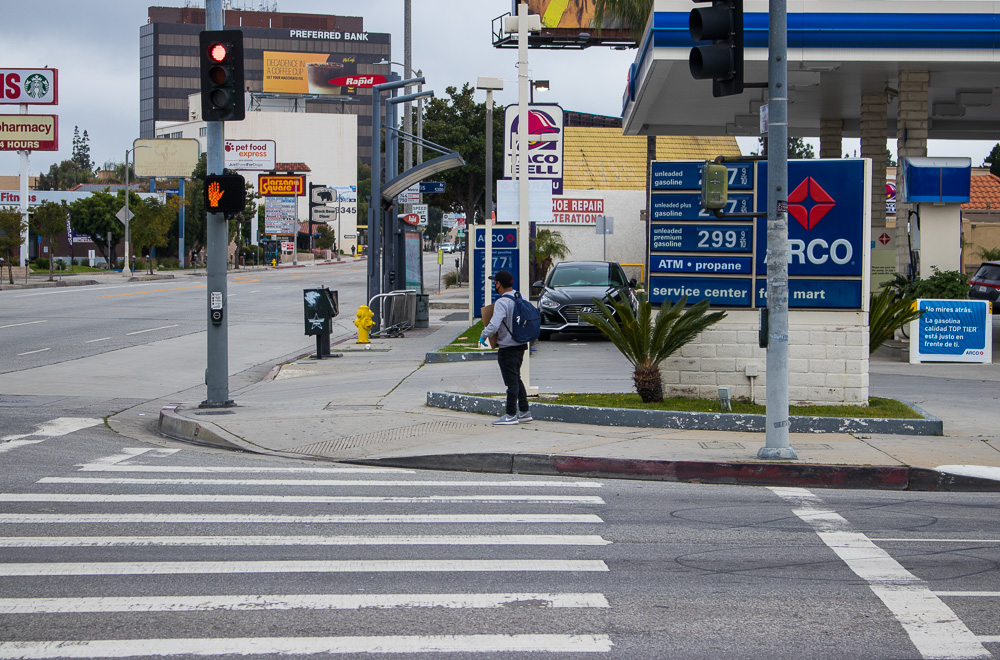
[506, 419]
[524, 416]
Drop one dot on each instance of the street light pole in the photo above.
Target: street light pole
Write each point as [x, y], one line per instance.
[127, 269]
[489, 84]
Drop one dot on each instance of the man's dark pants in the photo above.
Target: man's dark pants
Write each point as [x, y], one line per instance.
[510, 359]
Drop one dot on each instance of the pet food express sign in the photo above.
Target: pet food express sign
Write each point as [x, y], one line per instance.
[695, 254]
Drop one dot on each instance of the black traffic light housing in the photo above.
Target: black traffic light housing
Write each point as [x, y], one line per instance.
[222, 95]
[722, 61]
[225, 193]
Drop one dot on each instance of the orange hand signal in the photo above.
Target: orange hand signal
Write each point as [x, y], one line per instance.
[214, 194]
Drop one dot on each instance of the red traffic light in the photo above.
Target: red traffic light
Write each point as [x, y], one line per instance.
[218, 52]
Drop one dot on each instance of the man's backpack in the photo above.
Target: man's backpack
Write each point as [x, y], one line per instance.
[527, 322]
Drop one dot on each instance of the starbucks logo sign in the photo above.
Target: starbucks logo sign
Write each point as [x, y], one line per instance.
[36, 86]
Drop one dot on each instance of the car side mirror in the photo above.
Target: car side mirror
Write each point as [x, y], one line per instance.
[632, 282]
[538, 285]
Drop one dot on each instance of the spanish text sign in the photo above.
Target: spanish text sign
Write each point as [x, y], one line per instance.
[952, 331]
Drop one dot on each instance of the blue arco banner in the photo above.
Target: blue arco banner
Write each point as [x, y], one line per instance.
[504, 255]
[692, 251]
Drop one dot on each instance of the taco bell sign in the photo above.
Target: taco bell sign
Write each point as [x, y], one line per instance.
[545, 144]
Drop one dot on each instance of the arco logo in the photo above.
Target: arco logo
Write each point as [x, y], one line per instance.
[809, 203]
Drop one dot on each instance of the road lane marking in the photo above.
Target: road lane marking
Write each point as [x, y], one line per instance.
[142, 293]
[969, 594]
[63, 569]
[295, 499]
[245, 519]
[56, 427]
[935, 630]
[280, 646]
[163, 327]
[91, 341]
[242, 603]
[14, 325]
[938, 540]
[384, 540]
[40, 350]
[319, 482]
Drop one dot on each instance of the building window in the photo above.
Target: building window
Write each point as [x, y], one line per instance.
[203, 131]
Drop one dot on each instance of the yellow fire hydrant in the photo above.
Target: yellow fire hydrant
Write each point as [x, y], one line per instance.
[364, 323]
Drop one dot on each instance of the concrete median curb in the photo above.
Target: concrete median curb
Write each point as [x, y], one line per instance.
[549, 412]
[176, 426]
[873, 477]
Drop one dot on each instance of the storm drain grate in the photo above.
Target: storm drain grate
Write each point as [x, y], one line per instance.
[330, 447]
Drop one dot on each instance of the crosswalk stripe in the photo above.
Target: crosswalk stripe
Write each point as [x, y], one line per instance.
[33, 569]
[223, 518]
[322, 482]
[57, 427]
[294, 602]
[969, 594]
[308, 645]
[475, 539]
[296, 499]
[206, 469]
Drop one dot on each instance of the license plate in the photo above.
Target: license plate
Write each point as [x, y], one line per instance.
[982, 288]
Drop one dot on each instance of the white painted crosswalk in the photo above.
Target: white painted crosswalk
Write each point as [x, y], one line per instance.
[481, 534]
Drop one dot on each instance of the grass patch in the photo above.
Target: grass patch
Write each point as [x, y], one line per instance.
[467, 342]
[877, 407]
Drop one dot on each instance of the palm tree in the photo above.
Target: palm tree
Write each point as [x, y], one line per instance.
[546, 247]
[888, 312]
[646, 341]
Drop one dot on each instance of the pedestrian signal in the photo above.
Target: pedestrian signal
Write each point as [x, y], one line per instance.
[225, 193]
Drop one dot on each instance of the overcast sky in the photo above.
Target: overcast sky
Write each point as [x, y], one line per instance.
[95, 46]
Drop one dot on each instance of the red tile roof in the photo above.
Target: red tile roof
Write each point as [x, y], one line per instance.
[984, 193]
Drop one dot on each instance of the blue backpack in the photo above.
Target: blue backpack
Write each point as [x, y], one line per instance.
[527, 322]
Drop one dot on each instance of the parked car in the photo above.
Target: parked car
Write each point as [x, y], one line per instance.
[985, 284]
[447, 247]
[570, 288]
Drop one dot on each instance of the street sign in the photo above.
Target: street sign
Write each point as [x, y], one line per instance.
[431, 187]
[124, 215]
[422, 211]
[411, 218]
[322, 214]
[322, 194]
[409, 196]
[251, 155]
[287, 246]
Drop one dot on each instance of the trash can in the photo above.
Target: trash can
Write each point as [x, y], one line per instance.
[320, 306]
[423, 311]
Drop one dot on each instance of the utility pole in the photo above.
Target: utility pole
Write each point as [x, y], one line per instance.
[217, 235]
[776, 418]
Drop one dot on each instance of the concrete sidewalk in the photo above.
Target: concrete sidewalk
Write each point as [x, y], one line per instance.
[370, 405]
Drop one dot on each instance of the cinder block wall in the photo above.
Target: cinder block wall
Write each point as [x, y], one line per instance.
[827, 359]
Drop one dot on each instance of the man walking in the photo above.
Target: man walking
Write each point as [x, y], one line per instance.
[510, 353]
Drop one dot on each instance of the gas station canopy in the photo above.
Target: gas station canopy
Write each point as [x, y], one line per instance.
[837, 52]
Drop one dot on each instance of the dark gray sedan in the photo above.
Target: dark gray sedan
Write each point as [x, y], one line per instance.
[570, 289]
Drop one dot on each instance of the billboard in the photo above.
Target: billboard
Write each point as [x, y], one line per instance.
[569, 24]
[319, 74]
[545, 144]
[29, 133]
[163, 157]
[29, 86]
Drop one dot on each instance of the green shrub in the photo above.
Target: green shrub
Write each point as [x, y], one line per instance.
[887, 314]
[41, 263]
[989, 254]
[168, 263]
[943, 284]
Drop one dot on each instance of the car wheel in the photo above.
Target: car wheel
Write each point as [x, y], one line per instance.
[545, 335]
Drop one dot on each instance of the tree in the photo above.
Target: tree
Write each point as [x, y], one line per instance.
[364, 191]
[81, 150]
[993, 160]
[194, 217]
[889, 160]
[459, 123]
[547, 246]
[63, 176]
[95, 216]
[48, 221]
[327, 239]
[151, 225]
[797, 148]
[12, 226]
[645, 341]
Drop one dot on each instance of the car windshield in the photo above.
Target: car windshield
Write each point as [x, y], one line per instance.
[587, 275]
[988, 272]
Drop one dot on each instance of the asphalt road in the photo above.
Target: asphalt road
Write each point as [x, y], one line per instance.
[115, 548]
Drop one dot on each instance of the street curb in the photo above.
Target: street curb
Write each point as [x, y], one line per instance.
[177, 427]
[549, 412]
[46, 284]
[873, 477]
[434, 357]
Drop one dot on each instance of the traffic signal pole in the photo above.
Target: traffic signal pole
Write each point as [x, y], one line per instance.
[776, 418]
[217, 370]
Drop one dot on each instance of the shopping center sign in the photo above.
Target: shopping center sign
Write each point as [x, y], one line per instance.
[281, 185]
